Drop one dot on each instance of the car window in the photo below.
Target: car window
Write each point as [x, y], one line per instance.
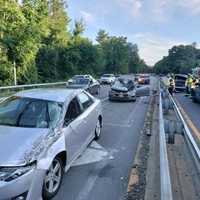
[81, 81]
[55, 110]
[24, 112]
[73, 111]
[85, 100]
[34, 115]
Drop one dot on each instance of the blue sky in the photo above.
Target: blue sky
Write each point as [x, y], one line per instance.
[155, 25]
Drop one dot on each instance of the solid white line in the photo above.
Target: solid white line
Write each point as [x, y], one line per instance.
[131, 116]
[104, 99]
[117, 125]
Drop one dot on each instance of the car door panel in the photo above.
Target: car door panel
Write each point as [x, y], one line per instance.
[74, 131]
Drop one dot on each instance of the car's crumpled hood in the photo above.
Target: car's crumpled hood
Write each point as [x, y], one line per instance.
[18, 145]
[105, 78]
[119, 89]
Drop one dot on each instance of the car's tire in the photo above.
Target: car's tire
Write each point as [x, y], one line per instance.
[194, 99]
[134, 99]
[53, 179]
[98, 130]
[98, 91]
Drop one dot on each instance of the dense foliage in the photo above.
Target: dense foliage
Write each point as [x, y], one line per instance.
[35, 37]
[181, 59]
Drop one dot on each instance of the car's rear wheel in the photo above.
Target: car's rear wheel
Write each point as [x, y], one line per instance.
[53, 179]
[98, 130]
[98, 91]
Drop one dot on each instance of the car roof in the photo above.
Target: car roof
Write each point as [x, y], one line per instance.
[181, 75]
[108, 74]
[50, 94]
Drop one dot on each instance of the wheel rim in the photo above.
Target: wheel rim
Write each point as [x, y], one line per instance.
[98, 129]
[53, 177]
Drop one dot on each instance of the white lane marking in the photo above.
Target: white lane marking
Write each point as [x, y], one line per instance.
[117, 125]
[131, 116]
[94, 153]
[104, 99]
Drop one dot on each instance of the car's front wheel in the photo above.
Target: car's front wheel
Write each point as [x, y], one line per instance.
[53, 179]
[98, 130]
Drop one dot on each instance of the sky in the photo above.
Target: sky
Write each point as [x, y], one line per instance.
[154, 25]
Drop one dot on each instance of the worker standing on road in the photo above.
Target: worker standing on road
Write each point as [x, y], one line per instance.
[171, 87]
[193, 86]
[188, 84]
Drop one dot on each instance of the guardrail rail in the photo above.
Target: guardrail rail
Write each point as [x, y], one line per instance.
[165, 180]
[9, 90]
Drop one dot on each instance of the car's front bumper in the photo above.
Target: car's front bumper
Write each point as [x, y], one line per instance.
[13, 189]
[121, 98]
[105, 81]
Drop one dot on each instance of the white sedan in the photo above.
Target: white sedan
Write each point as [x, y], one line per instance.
[42, 132]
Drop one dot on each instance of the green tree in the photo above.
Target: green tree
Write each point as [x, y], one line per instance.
[21, 31]
[58, 23]
[181, 59]
[102, 36]
[78, 30]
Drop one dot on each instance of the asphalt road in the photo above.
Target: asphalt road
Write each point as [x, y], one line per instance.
[101, 173]
[191, 108]
[192, 111]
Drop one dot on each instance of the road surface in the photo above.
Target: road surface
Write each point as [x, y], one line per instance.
[101, 173]
[191, 113]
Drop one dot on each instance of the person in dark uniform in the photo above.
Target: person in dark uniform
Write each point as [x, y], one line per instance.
[171, 87]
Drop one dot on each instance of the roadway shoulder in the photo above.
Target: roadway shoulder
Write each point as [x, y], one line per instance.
[138, 175]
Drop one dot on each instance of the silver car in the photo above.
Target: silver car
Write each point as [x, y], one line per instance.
[123, 90]
[90, 85]
[42, 132]
[107, 79]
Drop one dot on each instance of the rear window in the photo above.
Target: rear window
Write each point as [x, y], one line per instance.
[107, 75]
[180, 78]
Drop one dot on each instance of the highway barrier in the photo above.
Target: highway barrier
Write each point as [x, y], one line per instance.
[165, 180]
[9, 90]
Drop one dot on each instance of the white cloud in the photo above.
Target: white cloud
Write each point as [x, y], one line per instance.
[152, 48]
[133, 6]
[87, 17]
[193, 6]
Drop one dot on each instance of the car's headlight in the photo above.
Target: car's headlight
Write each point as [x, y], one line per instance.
[10, 173]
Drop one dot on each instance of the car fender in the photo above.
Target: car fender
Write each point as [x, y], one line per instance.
[57, 147]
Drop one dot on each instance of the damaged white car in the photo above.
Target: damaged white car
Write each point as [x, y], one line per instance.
[42, 131]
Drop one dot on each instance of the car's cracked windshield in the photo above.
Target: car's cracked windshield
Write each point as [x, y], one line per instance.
[28, 112]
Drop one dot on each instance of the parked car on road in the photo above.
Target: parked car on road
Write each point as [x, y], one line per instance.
[107, 79]
[144, 79]
[196, 94]
[123, 89]
[44, 129]
[89, 84]
[180, 80]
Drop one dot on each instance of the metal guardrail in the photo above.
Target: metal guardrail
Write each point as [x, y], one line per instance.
[165, 188]
[188, 135]
[8, 90]
[32, 85]
[194, 148]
